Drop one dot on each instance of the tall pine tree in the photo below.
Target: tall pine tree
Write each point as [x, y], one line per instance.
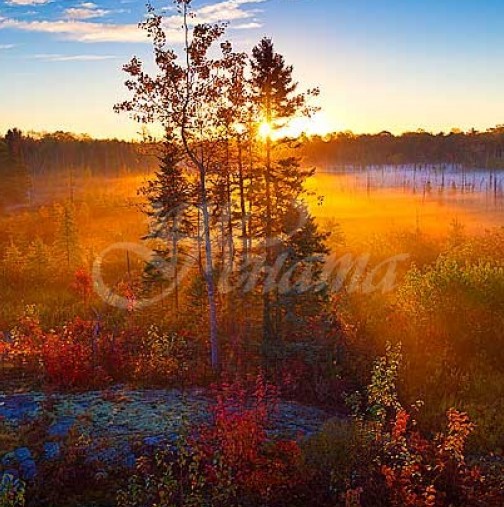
[276, 100]
[15, 186]
[67, 244]
[169, 196]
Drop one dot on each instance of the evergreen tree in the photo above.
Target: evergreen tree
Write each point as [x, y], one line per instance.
[14, 262]
[302, 294]
[13, 171]
[67, 244]
[274, 93]
[169, 196]
[38, 259]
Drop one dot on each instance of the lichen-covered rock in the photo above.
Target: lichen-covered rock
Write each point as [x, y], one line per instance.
[28, 469]
[114, 419]
[8, 459]
[22, 461]
[22, 454]
[62, 426]
[51, 451]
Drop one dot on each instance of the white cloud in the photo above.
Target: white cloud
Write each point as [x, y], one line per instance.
[227, 10]
[75, 28]
[86, 10]
[79, 30]
[28, 2]
[224, 10]
[85, 13]
[247, 26]
[73, 58]
[7, 46]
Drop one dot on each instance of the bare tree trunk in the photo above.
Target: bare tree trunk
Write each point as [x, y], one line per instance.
[200, 256]
[209, 278]
[250, 200]
[267, 321]
[208, 269]
[229, 210]
[243, 209]
[223, 238]
[175, 269]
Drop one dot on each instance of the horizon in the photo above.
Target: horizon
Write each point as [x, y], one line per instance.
[399, 67]
[86, 136]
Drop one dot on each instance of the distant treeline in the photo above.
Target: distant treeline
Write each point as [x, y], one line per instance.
[473, 149]
[62, 152]
[29, 161]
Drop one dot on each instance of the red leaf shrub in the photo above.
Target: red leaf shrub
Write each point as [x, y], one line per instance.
[392, 455]
[420, 472]
[228, 461]
[83, 284]
[27, 339]
[79, 355]
[261, 467]
[67, 364]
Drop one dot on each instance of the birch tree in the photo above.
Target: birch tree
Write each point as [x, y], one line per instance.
[184, 96]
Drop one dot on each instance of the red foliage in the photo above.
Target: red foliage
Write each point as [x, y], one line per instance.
[67, 364]
[79, 355]
[401, 423]
[238, 434]
[27, 340]
[83, 284]
[421, 472]
[128, 291]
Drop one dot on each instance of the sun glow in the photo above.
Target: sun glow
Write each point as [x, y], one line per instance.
[319, 124]
[265, 130]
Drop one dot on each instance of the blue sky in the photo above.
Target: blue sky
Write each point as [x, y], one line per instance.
[381, 64]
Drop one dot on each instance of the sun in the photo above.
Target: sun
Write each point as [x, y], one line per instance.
[265, 130]
[318, 124]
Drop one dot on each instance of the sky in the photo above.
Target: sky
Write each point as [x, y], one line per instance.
[396, 65]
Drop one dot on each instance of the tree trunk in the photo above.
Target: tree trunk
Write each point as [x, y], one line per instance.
[229, 210]
[243, 209]
[175, 267]
[267, 320]
[210, 283]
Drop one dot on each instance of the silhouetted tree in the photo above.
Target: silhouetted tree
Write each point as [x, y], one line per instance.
[186, 99]
[170, 196]
[13, 172]
[274, 94]
[67, 243]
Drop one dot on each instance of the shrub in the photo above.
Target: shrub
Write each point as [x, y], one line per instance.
[263, 469]
[79, 355]
[162, 357]
[329, 459]
[227, 461]
[67, 364]
[27, 340]
[182, 477]
[83, 284]
[12, 492]
[416, 471]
